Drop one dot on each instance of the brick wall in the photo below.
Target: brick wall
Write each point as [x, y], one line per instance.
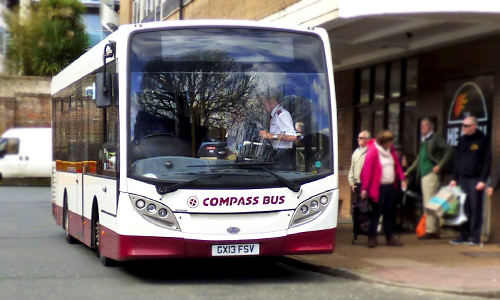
[24, 102]
[32, 110]
[232, 9]
[344, 91]
[7, 106]
[466, 59]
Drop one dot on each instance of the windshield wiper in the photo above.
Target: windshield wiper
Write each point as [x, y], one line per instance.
[260, 165]
[237, 164]
[289, 184]
[162, 189]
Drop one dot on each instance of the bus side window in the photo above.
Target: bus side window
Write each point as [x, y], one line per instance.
[107, 160]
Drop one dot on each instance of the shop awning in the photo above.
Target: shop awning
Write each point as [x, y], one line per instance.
[364, 32]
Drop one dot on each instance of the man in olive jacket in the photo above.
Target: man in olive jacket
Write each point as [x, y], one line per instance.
[434, 156]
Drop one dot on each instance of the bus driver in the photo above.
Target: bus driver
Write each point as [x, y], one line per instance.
[281, 133]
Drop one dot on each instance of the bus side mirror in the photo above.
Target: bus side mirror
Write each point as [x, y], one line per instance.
[104, 90]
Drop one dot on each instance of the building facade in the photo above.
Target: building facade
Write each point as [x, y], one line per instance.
[395, 63]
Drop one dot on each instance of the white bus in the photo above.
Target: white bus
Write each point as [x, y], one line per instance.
[164, 146]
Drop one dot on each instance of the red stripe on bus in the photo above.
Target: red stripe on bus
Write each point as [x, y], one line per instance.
[314, 242]
[125, 247]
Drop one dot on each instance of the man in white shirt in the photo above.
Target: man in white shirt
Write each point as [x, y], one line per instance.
[358, 158]
[281, 133]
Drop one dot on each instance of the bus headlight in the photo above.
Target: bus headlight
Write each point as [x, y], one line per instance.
[151, 208]
[310, 209]
[140, 204]
[162, 212]
[155, 212]
[314, 205]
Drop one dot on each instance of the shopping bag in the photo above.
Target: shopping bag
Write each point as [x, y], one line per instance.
[461, 217]
[453, 211]
[440, 203]
[421, 227]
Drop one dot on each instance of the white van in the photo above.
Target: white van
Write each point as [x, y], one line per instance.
[26, 152]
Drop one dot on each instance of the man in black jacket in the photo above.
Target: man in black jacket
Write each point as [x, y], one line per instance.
[472, 168]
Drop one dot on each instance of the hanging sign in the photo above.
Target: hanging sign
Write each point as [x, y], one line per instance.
[471, 96]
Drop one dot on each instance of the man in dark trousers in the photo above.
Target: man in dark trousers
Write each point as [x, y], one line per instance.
[472, 168]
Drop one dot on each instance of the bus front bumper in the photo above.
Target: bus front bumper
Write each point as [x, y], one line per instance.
[124, 247]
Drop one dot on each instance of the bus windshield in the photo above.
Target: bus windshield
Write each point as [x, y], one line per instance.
[226, 105]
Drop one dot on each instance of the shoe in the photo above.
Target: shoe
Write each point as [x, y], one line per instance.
[394, 243]
[429, 236]
[460, 241]
[372, 242]
[475, 242]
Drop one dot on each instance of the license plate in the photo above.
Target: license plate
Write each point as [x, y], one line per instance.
[235, 249]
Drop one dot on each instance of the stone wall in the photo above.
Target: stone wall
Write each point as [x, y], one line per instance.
[25, 102]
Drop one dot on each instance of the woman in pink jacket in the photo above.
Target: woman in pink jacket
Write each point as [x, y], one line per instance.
[380, 177]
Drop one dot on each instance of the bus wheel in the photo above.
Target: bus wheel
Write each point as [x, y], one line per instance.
[96, 230]
[69, 239]
[106, 261]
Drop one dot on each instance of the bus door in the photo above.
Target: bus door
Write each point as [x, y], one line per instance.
[81, 125]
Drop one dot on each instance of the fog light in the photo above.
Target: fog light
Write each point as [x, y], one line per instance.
[323, 200]
[304, 209]
[162, 212]
[151, 208]
[314, 205]
[140, 204]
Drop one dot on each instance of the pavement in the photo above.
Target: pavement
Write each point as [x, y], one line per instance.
[432, 265]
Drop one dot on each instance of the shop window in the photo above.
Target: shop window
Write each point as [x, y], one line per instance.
[380, 82]
[365, 86]
[395, 85]
[410, 121]
[378, 121]
[411, 76]
[364, 120]
[393, 120]
[387, 100]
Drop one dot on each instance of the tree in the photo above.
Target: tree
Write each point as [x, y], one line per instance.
[24, 34]
[206, 88]
[50, 40]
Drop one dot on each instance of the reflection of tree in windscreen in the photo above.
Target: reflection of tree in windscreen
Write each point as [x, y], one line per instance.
[209, 87]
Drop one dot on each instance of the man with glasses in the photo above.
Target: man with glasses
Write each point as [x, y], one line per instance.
[472, 168]
[434, 156]
[358, 159]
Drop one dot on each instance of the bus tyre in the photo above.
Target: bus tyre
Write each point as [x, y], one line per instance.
[106, 261]
[69, 239]
[96, 230]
